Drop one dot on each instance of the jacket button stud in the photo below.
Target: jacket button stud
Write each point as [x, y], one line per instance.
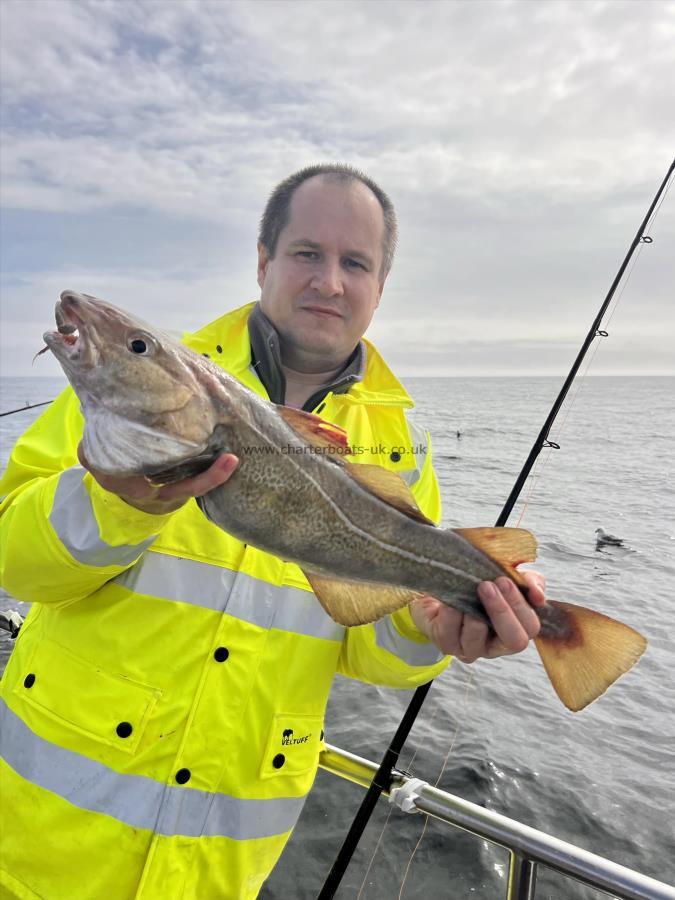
[183, 776]
[219, 348]
[29, 680]
[394, 456]
[278, 760]
[221, 654]
[124, 729]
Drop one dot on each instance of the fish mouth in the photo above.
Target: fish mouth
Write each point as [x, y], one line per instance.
[68, 340]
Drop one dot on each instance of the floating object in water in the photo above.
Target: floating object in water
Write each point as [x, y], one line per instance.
[604, 539]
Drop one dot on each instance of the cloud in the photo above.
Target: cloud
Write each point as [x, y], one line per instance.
[193, 93]
[168, 301]
[521, 143]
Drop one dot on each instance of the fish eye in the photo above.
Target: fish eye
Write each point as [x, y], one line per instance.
[140, 344]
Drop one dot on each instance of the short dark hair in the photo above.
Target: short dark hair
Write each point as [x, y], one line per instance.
[277, 209]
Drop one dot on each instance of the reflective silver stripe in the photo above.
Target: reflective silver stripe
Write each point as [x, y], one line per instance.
[235, 593]
[410, 652]
[410, 476]
[72, 518]
[135, 800]
[418, 438]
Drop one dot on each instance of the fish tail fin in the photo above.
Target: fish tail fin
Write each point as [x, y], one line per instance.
[584, 652]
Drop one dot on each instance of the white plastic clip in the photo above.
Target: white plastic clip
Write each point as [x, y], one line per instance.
[404, 796]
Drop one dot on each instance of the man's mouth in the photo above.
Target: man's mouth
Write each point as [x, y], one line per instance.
[328, 311]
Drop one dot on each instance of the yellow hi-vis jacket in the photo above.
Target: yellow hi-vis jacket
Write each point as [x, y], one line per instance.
[161, 714]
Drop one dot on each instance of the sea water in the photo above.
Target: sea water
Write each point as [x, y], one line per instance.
[494, 732]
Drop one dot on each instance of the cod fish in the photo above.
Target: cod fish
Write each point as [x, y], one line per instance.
[154, 407]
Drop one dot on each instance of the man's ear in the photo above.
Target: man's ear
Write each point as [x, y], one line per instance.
[379, 293]
[263, 260]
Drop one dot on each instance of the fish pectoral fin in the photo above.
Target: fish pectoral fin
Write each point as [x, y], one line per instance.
[584, 652]
[315, 430]
[508, 547]
[389, 487]
[188, 469]
[195, 465]
[358, 602]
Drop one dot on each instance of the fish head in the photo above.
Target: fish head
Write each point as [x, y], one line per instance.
[148, 401]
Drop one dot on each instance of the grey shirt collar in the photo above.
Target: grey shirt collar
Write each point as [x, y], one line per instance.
[266, 361]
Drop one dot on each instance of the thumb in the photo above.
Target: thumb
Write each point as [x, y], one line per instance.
[81, 455]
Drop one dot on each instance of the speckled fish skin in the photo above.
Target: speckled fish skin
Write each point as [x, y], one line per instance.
[153, 407]
[153, 411]
[305, 508]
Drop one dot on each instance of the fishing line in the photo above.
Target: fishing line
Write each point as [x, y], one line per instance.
[383, 777]
[603, 333]
[408, 766]
[543, 459]
[467, 687]
[538, 470]
[375, 851]
[660, 203]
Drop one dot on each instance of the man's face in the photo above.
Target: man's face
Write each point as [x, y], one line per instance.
[322, 287]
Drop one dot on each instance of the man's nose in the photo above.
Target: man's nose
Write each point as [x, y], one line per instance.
[327, 279]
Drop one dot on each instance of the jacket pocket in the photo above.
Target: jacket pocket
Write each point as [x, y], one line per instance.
[292, 746]
[75, 692]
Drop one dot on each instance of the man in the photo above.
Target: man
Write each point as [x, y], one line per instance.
[161, 715]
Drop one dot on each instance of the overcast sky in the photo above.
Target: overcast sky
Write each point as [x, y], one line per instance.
[521, 142]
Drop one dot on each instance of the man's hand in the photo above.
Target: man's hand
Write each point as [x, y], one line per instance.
[140, 493]
[514, 621]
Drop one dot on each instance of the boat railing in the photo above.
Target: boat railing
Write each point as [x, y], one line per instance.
[528, 848]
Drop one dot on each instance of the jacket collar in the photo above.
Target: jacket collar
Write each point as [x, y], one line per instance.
[266, 360]
[228, 342]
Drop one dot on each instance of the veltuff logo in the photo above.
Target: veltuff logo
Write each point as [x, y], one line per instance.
[287, 738]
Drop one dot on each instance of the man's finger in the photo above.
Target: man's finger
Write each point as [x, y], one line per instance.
[81, 457]
[513, 619]
[217, 474]
[520, 606]
[536, 586]
[473, 639]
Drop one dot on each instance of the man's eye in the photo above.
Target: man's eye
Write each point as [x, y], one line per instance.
[308, 254]
[354, 264]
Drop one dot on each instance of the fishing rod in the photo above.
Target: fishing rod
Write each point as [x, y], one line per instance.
[383, 777]
[19, 409]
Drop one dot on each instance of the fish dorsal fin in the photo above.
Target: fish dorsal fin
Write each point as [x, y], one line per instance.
[358, 602]
[315, 430]
[508, 547]
[388, 486]
[383, 483]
